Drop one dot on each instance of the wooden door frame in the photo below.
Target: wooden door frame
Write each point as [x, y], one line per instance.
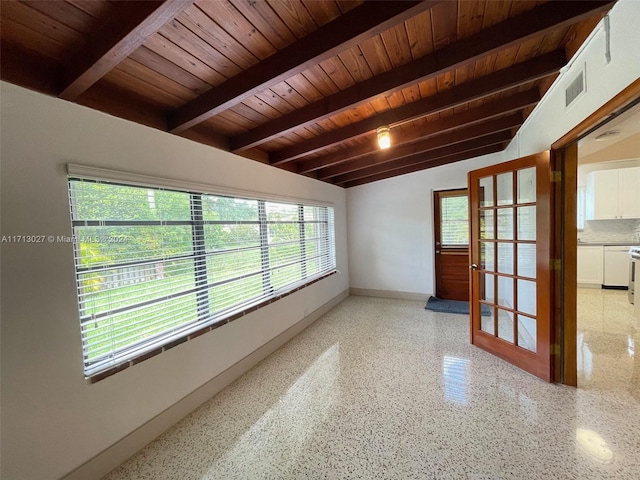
[437, 233]
[564, 160]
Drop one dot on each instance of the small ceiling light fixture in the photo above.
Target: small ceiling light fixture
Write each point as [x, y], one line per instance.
[607, 135]
[384, 137]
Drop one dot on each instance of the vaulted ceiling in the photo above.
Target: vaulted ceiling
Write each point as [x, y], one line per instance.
[303, 85]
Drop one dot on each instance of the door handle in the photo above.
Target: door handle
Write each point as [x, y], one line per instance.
[473, 266]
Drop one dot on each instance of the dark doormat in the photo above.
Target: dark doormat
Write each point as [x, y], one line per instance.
[435, 304]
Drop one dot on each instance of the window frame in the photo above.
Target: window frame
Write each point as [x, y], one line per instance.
[206, 319]
[438, 215]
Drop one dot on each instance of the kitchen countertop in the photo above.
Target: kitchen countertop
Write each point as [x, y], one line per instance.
[609, 244]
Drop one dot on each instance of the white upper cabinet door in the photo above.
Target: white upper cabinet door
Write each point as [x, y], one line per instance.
[602, 195]
[630, 192]
[613, 194]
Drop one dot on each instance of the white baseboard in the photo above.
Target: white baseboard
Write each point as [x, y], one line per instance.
[367, 292]
[113, 456]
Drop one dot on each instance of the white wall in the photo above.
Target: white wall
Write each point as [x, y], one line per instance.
[390, 228]
[551, 120]
[391, 221]
[52, 420]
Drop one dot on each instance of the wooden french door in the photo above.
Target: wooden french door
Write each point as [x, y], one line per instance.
[510, 265]
[451, 227]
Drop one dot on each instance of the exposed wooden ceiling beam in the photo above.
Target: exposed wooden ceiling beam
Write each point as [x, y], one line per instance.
[348, 30]
[421, 157]
[482, 113]
[423, 147]
[499, 81]
[428, 164]
[538, 21]
[130, 25]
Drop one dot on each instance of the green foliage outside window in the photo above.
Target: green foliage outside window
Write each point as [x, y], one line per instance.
[152, 262]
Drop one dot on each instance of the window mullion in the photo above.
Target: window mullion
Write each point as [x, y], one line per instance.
[324, 226]
[264, 247]
[199, 252]
[303, 247]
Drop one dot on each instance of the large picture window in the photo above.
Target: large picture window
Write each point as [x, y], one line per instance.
[154, 265]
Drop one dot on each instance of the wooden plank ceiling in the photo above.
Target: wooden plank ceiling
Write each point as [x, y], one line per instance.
[303, 85]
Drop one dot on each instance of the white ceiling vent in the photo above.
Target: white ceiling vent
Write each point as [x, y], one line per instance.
[576, 88]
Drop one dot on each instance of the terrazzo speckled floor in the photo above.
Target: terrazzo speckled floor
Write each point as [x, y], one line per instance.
[383, 389]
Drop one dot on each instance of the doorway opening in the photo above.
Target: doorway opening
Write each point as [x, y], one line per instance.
[451, 228]
[591, 157]
[608, 206]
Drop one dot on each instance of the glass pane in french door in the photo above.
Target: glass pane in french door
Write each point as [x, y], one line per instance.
[487, 297]
[507, 246]
[527, 332]
[486, 192]
[527, 260]
[487, 320]
[505, 325]
[505, 257]
[526, 185]
[487, 255]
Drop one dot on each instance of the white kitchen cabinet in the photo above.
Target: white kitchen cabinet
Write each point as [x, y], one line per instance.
[590, 265]
[630, 192]
[616, 266]
[613, 194]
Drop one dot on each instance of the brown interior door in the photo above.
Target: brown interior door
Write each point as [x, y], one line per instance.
[451, 218]
[510, 281]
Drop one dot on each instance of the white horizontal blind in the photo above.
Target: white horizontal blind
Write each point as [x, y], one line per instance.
[454, 220]
[153, 265]
[298, 243]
